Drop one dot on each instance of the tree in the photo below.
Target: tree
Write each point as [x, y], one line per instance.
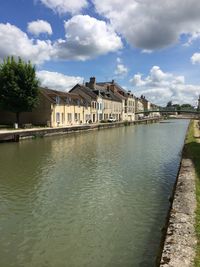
[18, 86]
[187, 107]
[169, 104]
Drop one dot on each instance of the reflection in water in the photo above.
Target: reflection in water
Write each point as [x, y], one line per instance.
[93, 199]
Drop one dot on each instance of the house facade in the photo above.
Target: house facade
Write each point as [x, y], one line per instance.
[66, 109]
[126, 97]
[104, 103]
[94, 100]
[139, 107]
[89, 103]
[54, 109]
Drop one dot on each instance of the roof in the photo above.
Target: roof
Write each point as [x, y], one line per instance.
[107, 94]
[92, 94]
[88, 93]
[51, 95]
[120, 92]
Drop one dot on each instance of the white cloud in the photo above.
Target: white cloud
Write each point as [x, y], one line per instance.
[118, 60]
[15, 42]
[57, 81]
[87, 37]
[161, 87]
[146, 51]
[195, 58]
[121, 70]
[152, 24]
[65, 6]
[38, 27]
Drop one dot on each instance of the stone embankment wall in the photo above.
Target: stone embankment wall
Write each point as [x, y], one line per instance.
[16, 135]
[180, 242]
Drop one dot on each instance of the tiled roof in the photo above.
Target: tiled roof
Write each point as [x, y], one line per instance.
[51, 95]
[120, 92]
[89, 94]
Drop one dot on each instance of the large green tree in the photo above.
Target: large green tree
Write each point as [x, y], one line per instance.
[18, 86]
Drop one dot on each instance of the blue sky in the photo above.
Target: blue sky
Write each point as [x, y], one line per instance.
[150, 47]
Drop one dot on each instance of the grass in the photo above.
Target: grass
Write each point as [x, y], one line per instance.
[192, 151]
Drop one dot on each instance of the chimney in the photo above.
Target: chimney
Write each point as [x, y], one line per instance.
[92, 82]
[113, 81]
[112, 87]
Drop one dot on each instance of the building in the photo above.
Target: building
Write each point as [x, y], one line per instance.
[104, 103]
[139, 107]
[94, 100]
[146, 103]
[126, 97]
[66, 108]
[55, 109]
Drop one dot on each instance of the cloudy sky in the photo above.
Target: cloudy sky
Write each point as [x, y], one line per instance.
[149, 46]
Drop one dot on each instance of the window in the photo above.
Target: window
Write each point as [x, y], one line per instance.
[94, 105]
[68, 101]
[57, 117]
[69, 117]
[57, 100]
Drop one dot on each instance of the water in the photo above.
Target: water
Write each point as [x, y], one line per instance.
[97, 199]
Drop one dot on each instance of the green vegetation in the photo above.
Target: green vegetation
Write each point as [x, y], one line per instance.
[192, 151]
[18, 86]
[179, 107]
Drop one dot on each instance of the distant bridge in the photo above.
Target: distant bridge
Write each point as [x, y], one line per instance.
[181, 111]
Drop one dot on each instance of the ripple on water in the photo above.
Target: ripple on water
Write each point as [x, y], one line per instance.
[94, 199]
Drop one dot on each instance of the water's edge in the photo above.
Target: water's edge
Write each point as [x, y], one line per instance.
[178, 235]
[17, 135]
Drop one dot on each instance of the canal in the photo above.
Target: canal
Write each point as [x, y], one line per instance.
[96, 199]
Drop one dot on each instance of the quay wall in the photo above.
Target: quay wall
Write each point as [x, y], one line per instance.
[179, 238]
[19, 134]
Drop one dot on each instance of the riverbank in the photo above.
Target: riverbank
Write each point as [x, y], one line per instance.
[183, 226]
[18, 134]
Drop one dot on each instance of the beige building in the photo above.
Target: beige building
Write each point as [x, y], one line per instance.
[104, 103]
[146, 103]
[55, 109]
[139, 107]
[66, 108]
[93, 99]
[126, 97]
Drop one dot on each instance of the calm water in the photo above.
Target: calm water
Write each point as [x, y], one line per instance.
[97, 199]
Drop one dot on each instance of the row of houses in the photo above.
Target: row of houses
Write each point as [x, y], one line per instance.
[89, 103]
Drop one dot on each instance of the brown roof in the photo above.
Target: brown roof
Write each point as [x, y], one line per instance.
[51, 95]
[119, 92]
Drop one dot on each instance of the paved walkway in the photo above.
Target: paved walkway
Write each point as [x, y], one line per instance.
[15, 131]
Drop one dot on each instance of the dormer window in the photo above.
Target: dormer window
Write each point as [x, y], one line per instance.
[57, 100]
[68, 101]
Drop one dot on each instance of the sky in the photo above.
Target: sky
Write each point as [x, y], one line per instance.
[150, 47]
